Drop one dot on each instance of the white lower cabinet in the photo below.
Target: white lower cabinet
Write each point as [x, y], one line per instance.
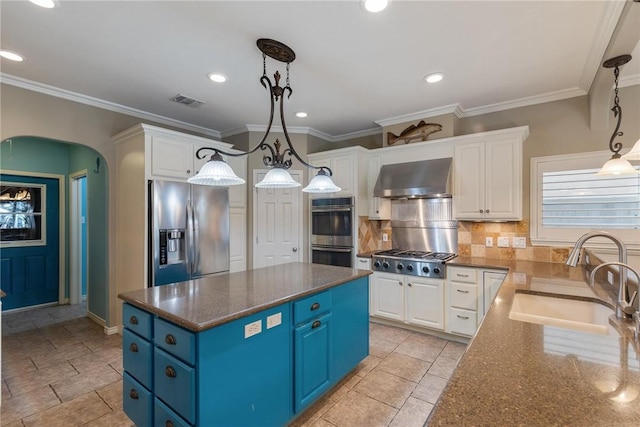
[409, 299]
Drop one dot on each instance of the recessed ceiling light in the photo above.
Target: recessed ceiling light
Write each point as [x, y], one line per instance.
[301, 114]
[434, 78]
[11, 55]
[49, 4]
[375, 5]
[217, 77]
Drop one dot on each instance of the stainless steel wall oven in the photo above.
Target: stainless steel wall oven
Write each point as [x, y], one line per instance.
[332, 231]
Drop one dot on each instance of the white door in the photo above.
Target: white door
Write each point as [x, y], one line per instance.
[277, 223]
[388, 298]
[425, 302]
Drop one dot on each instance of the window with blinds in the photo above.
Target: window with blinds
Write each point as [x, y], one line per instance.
[582, 199]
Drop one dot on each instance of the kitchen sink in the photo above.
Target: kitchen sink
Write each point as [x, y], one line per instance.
[562, 312]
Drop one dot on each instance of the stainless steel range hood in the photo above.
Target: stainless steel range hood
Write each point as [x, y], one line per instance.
[423, 179]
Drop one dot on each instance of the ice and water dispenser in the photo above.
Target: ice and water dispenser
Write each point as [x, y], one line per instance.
[172, 246]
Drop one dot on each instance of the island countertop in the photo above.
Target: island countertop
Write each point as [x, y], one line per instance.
[210, 301]
[525, 374]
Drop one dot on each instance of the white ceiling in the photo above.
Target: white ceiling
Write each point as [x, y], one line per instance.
[354, 70]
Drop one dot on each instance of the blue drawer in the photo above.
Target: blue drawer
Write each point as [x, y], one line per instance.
[138, 321]
[310, 307]
[175, 340]
[165, 417]
[175, 384]
[137, 357]
[137, 401]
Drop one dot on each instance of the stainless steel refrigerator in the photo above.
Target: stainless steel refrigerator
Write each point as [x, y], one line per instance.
[188, 231]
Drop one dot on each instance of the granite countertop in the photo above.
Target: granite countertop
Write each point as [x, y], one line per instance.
[519, 373]
[210, 301]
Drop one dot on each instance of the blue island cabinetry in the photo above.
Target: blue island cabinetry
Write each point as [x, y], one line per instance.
[258, 370]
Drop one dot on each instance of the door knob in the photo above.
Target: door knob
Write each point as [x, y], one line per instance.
[295, 249]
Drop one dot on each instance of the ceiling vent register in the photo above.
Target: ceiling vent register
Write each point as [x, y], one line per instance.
[187, 100]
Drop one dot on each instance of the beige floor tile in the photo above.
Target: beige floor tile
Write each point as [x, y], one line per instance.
[422, 347]
[388, 333]
[386, 388]
[443, 367]
[430, 388]
[112, 419]
[85, 382]
[322, 423]
[313, 413]
[454, 350]
[60, 355]
[366, 365]
[14, 424]
[381, 348]
[42, 377]
[413, 413]
[5, 391]
[94, 360]
[104, 341]
[29, 403]
[12, 367]
[76, 412]
[343, 387]
[112, 394]
[358, 410]
[403, 366]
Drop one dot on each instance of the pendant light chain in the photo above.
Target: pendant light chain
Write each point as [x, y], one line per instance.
[617, 112]
[287, 74]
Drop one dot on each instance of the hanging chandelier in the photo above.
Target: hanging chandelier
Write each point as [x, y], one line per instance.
[617, 164]
[217, 172]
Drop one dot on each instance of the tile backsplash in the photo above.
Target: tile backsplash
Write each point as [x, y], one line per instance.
[471, 240]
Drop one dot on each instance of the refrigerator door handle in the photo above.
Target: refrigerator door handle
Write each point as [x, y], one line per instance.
[190, 239]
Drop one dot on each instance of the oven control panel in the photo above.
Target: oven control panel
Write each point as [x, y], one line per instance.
[431, 269]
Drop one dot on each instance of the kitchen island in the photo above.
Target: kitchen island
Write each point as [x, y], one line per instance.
[519, 373]
[248, 348]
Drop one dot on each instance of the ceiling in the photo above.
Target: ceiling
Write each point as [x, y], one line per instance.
[354, 71]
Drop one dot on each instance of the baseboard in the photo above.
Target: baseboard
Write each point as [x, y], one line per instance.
[112, 330]
[31, 307]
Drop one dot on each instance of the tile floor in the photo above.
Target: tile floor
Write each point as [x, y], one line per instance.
[59, 369]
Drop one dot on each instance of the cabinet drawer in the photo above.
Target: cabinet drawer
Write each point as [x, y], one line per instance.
[137, 401]
[175, 384]
[165, 417]
[463, 295]
[175, 340]
[462, 322]
[138, 321]
[137, 357]
[462, 274]
[307, 308]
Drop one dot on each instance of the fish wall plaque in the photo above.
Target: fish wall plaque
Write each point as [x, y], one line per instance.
[414, 133]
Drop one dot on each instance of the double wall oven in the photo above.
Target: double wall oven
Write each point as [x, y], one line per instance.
[332, 240]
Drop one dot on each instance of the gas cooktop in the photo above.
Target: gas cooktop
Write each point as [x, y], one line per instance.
[415, 263]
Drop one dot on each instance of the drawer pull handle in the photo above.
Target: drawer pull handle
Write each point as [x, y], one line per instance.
[133, 347]
[168, 424]
[133, 320]
[170, 339]
[170, 372]
[462, 275]
[315, 306]
[462, 292]
[133, 394]
[462, 317]
[316, 324]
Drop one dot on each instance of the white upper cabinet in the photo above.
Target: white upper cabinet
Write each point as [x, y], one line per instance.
[171, 158]
[487, 179]
[379, 208]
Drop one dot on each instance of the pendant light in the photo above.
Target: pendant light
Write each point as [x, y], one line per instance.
[217, 172]
[616, 165]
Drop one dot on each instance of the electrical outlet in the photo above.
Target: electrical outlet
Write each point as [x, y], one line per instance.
[385, 237]
[519, 278]
[488, 241]
[503, 242]
[253, 328]
[274, 320]
[520, 242]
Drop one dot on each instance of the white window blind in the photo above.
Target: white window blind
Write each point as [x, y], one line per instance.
[582, 199]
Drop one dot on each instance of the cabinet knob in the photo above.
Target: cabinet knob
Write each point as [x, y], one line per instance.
[486, 211]
[133, 394]
[409, 284]
[170, 372]
[168, 424]
[188, 170]
[400, 283]
[316, 324]
[170, 339]
[481, 211]
[315, 306]
[295, 249]
[133, 320]
[133, 347]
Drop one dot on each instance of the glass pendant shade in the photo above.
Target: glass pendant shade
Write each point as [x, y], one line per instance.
[277, 178]
[617, 166]
[634, 154]
[321, 183]
[216, 173]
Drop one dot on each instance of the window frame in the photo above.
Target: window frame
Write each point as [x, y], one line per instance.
[42, 241]
[541, 236]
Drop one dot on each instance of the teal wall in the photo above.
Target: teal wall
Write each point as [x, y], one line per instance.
[33, 154]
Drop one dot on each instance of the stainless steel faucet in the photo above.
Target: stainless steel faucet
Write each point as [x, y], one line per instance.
[574, 257]
[624, 307]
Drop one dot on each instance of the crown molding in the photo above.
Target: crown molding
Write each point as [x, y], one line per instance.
[439, 111]
[607, 25]
[358, 134]
[100, 103]
[629, 80]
